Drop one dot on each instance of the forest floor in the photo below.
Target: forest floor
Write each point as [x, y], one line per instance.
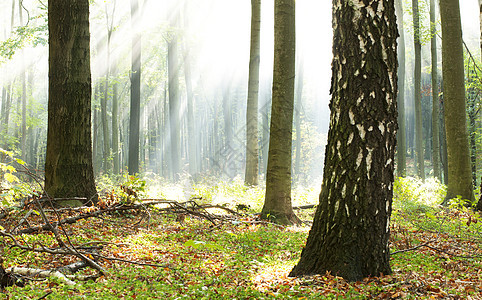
[154, 253]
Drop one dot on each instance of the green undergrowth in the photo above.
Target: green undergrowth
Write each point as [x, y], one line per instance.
[437, 251]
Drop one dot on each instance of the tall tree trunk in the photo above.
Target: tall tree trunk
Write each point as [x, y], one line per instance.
[480, 17]
[135, 109]
[167, 170]
[277, 204]
[265, 121]
[228, 164]
[152, 139]
[115, 124]
[174, 101]
[252, 157]
[23, 131]
[95, 136]
[112, 69]
[298, 103]
[105, 126]
[443, 136]
[418, 91]
[191, 128]
[435, 96]
[459, 172]
[351, 228]
[30, 132]
[3, 115]
[68, 166]
[402, 134]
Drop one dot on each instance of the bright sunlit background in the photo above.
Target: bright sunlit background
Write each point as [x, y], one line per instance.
[215, 35]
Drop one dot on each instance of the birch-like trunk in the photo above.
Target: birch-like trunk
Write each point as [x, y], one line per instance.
[350, 232]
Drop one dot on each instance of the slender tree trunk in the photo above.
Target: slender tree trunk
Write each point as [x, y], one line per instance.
[480, 17]
[68, 166]
[252, 157]
[459, 172]
[8, 106]
[135, 109]
[112, 69]
[174, 101]
[115, 124]
[23, 131]
[350, 232]
[152, 139]
[3, 114]
[265, 116]
[228, 164]
[105, 126]
[443, 135]
[298, 103]
[95, 136]
[435, 97]
[191, 128]
[167, 137]
[401, 135]
[277, 204]
[215, 144]
[30, 132]
[418, 90]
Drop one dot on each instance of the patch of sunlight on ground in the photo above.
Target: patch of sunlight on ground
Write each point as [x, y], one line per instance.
[272, 274]
[296, 228]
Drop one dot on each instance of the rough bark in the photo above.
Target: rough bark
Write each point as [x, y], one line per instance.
[401, 135]
[458, 155]
[435, 99]
[135, 108]
[252, 157]
[277, 204]
[350, 232]
[418, 91]
[68, 166]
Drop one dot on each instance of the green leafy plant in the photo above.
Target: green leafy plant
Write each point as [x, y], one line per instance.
[10, 184]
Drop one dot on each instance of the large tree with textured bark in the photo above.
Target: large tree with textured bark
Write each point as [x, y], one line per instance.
[277, 205]
[251, 174]
[350, 231]
[68, 167]
[458, 155]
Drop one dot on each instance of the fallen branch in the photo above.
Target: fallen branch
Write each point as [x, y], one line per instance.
[307, 206]
[40, 273]
[413, 248]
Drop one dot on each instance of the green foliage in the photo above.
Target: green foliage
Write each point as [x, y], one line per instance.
[425, 25]
[23, 36]
[127, 188]
[229, 193]
[414, 195]
[10, 185]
